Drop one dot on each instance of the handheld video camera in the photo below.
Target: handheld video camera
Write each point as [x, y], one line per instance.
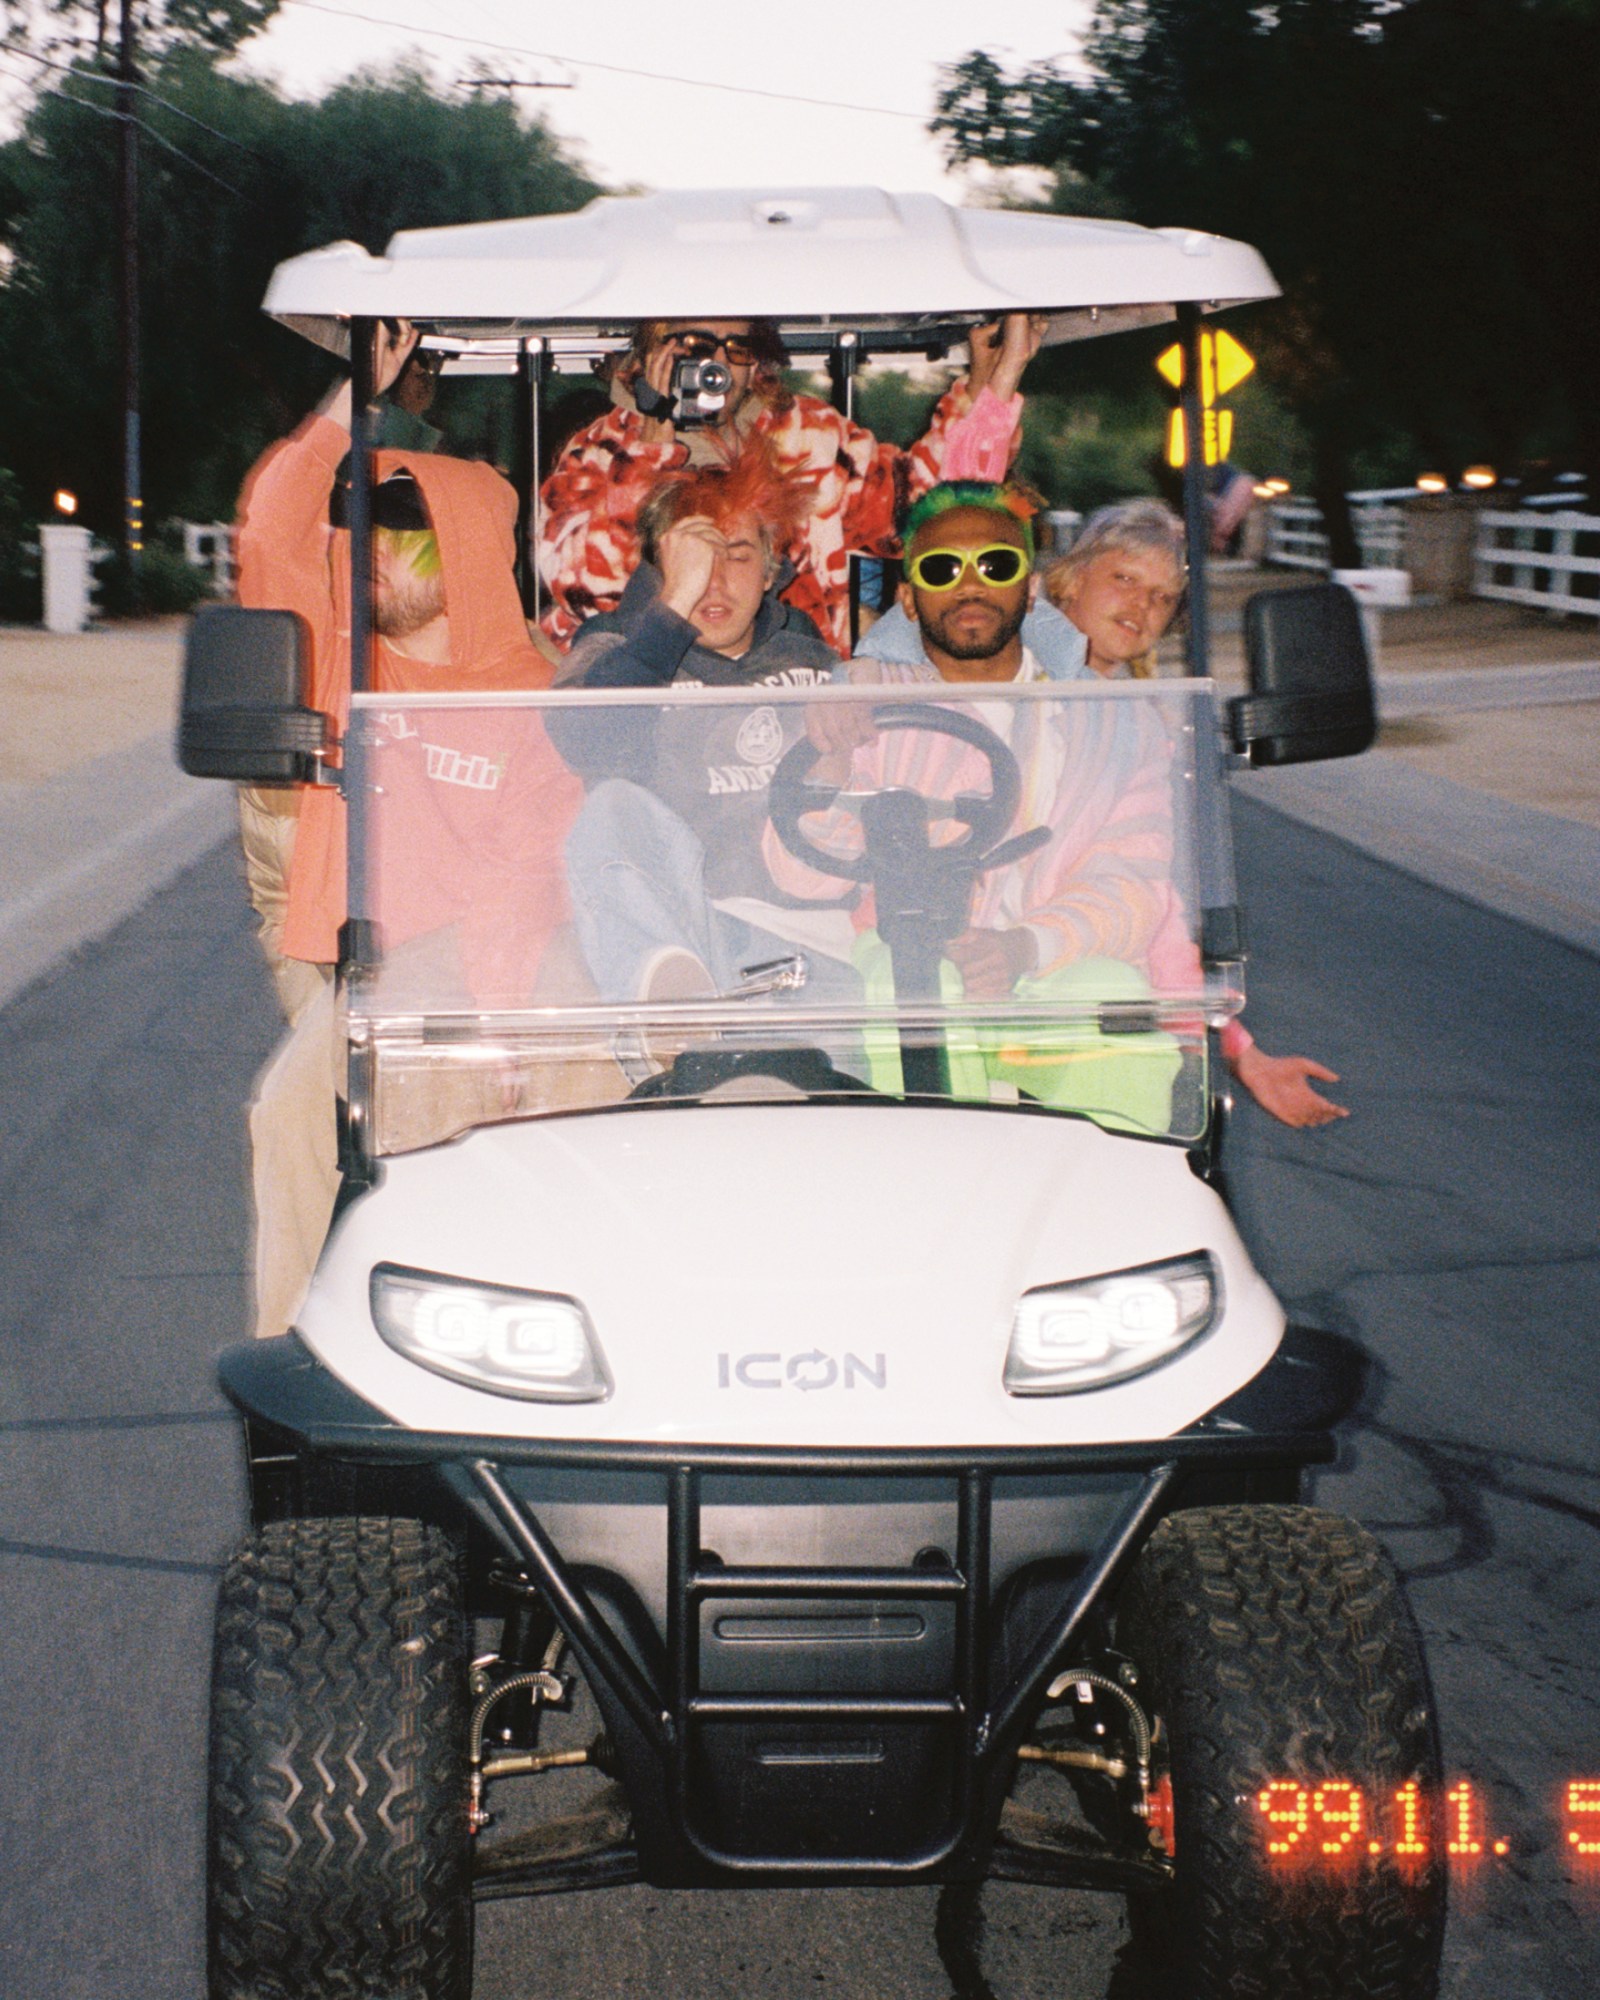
[700, 386]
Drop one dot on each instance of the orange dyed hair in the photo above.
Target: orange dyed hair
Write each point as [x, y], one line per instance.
[751, 482]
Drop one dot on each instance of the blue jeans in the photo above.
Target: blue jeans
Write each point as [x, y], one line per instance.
[637, 876]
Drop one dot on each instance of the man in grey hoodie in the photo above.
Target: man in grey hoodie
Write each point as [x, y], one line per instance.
[670, 834]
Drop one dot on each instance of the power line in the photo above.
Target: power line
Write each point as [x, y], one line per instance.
[611, 69]
[101, 76]
[104, 111]
[189, 160]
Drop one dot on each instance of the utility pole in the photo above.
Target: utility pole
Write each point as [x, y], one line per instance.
[128, 297]
[511, 83]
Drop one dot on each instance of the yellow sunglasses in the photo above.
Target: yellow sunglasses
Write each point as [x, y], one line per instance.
[1000, 564]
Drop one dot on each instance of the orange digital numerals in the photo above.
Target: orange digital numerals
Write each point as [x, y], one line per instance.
[1334, 1820]
[1409, 1840]
[1289, 1808]
[1583, 1805]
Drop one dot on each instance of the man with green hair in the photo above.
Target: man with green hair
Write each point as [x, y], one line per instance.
[446, 612]
[448, 618]
[1086, 917]
[970, 594]
[973, 626]
[894, 638]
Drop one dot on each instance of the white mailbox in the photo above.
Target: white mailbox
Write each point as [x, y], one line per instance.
[1376, 591]
[64, 553]
[1382, 589]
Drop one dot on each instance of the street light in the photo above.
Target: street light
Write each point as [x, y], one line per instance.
[65, 502]
[1432, 482]
[1478, 477]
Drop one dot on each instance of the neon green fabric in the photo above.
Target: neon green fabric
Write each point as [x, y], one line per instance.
[1121, 1081]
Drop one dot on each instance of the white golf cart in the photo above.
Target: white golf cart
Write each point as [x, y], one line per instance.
[850, 1395]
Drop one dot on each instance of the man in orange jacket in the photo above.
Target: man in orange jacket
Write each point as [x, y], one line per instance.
[447, 618]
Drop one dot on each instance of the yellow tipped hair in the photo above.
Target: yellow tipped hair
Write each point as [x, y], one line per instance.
[418, 547]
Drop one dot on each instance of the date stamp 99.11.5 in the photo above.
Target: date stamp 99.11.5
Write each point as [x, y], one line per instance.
[1331, 1823]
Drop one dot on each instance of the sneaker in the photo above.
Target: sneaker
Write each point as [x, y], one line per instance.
[675, 974]
[669, 975]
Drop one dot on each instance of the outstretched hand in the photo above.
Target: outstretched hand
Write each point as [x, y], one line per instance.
[392, 349]
[1281, 1085]
[1001, 350]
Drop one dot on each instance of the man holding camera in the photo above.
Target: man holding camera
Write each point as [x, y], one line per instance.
[690, 393]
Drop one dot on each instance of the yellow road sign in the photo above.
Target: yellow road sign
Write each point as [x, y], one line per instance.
[1223, 364]
[1234, 362]
[1216, 436]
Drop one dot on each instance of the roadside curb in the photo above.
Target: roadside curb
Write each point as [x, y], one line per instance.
[87, 848]
[1530, 866]
[1441, 691]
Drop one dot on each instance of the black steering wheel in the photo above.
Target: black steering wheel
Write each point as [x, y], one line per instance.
[923, 892]
[986, 816]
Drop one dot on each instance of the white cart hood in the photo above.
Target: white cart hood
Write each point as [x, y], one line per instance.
[869, 1257]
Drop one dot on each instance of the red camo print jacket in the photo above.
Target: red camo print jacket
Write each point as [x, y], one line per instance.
[589, 548]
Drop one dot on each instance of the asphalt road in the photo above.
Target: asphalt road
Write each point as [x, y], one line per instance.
[1450, 1227]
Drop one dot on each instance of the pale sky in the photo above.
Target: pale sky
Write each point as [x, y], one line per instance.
[877, 53]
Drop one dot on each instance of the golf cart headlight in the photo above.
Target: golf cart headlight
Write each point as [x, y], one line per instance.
[533, 1344]
[1101, 1330]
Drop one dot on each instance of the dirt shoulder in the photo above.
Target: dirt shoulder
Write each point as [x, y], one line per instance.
[68, 699]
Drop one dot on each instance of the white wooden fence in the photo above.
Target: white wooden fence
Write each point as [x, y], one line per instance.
[1295, 537]
[1546, 558]
[209, 545]
[1550, 561]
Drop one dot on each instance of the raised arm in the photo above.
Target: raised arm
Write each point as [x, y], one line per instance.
[283, 509]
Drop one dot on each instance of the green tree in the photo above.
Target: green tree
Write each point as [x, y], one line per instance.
[1411, 169]
[73, 26]
[234, 179]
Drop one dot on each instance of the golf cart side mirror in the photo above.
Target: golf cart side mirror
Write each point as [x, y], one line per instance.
[1310, 678]
[244, 699]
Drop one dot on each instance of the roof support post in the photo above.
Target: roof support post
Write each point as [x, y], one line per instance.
[1196, 520]
[843, 360]
[527, 450]
[842, 365]
[363, 426]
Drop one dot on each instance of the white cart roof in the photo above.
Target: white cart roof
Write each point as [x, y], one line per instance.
[907, 270]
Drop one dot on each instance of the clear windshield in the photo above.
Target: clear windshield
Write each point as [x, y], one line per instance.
[588, 899]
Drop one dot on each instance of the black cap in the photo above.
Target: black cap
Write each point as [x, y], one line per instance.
[397, 503]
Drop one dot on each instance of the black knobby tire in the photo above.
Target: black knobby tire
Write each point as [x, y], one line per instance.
[338, 1849]
[1275, 1644]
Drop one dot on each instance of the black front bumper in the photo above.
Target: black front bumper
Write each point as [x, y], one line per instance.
[832, 1721]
